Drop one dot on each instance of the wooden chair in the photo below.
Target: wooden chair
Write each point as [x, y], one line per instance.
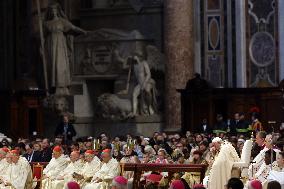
[38, 173]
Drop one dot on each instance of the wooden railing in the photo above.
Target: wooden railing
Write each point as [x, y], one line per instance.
[139, 169]
[170, 168]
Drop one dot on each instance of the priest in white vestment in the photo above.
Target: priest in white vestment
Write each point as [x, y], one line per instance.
[18, 173]
[92, 165]
[259, 159]
[265, 168]
[221, 169]
[109, 170]
[278, 175]
[65, 176]
[3, 161]
[56, 165]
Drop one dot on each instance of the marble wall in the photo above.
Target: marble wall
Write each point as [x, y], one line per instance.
[262, 47]
[124, 28]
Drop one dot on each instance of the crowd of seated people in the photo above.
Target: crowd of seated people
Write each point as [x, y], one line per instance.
[93, 162]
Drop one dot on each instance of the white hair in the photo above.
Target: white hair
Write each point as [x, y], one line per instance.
[217, 139]
[148, 148]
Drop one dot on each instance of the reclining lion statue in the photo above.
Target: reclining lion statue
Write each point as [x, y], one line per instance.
[111, 106]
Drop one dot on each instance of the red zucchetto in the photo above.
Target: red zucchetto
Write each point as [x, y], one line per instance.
[15, 152]
[6, 150]
[90, 152]
[57, 149]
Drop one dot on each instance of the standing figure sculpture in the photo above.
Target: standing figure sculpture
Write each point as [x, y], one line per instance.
[145, 87]
[56, 26]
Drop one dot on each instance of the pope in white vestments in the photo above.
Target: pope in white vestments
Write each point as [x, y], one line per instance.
[18, 174]
[65, 176]
[56, 165]
[221, 169]
[108, 171]
[92, 165]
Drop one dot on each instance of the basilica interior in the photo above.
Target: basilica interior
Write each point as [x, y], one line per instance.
[234, 46]
[143, 75]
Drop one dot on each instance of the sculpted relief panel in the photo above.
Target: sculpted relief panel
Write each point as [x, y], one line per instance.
[104, 53]
[123, 57]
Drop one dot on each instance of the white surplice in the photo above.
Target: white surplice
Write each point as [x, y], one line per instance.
[258, 161]
[3, 166]
[18, 174]
[89, 170]
[66, 174]
[278, 176]
[107, 172]
[263, 173]
[53, 169]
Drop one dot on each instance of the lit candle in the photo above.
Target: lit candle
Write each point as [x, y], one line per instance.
[95, 146]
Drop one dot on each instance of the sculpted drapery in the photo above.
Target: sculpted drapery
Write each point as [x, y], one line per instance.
[58, 48]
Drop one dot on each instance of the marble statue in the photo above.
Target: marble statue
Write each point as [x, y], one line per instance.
[136, 95]
[143, 96]
[110, 106]
[262, 79]
[58, 58]
[145, 87]
[60, 105]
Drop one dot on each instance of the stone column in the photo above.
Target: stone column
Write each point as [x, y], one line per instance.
[179, 42]
[241, 43]
[197, 36]
[281, 38]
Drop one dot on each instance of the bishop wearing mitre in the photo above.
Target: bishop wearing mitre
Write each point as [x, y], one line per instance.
[18, 173]
[108, 171]
[65, 176]
[56, 165]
